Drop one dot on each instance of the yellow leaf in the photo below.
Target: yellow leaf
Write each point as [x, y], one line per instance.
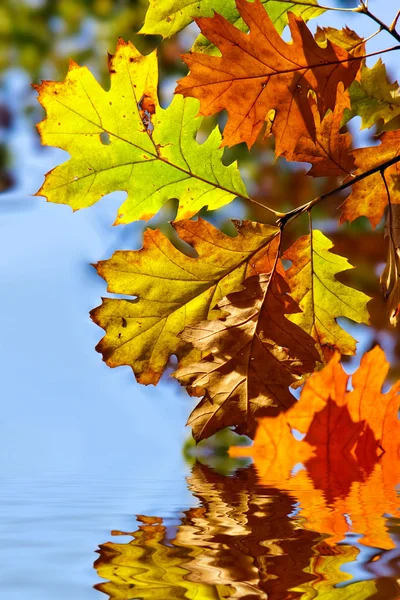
[122, 139]
[321, 297]
[173, 291]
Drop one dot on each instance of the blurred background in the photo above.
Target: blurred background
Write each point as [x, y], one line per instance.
[83, 448]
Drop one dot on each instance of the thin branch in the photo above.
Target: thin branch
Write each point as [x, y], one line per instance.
[363, 9]
[374, 53]
[296, 212]
[369, 37]
[394, 23]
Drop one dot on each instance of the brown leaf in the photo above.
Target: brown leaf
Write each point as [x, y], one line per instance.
[259, 72]
[255, 354]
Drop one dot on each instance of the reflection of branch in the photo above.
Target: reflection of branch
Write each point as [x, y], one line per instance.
[296, 212]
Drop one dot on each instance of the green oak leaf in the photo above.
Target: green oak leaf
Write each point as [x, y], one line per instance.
[167, 17]
[374, 97]
[122, 140]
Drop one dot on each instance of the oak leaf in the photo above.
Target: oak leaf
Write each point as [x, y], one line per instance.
[345, 38]
[329, 152]
[369, 196]
[173, 291]
[259, 72]
[374, 97]
[352, 439]
[122, 139]
[321, 297]
[254, 354]
[167, 17]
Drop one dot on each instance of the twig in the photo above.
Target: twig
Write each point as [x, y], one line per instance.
[394, 23]
[293, 214]
[363, 8]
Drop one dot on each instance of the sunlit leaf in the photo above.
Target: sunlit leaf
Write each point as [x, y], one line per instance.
[369, 197]
[350, 451]
[122, 139]
[259, 72]
[329, 151]
[321, 297]
[254, 354]
[173, 291]
[374, 97]
[167, 17]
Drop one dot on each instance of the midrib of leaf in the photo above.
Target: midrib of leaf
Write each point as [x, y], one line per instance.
[249, 366]
[285, 71]
[155, 156]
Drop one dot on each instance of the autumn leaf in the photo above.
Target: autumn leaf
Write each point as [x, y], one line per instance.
[173, 291]
[122, 139]
[369, 196]
[321, 297]
[350, 451]
[345, 38]
[259, 73]
[374, 97]
[329, 151]
[167, 17]
[254, 354]
[273, 449]
[367, 403]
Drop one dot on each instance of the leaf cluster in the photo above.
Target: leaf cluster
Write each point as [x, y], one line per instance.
[247, 317]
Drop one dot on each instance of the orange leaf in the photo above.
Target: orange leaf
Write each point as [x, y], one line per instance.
[369, 196]
[259, 73]
[367, 403]
[274, 449]
[346, 472]
[329, 152]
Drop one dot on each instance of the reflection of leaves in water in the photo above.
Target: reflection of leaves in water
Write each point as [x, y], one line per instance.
[246, 535]
[244, 541]
[148, 567]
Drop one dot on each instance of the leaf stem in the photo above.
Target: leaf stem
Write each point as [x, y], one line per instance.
[296, 212]
[277, 213]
